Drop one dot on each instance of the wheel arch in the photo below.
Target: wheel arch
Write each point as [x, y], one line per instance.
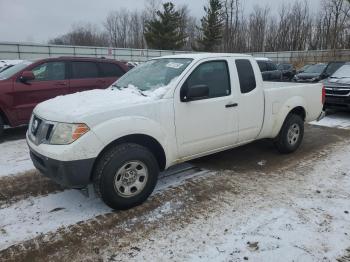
[141, 139]
[4, 117]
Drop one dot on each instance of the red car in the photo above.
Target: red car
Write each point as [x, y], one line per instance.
[25, 85]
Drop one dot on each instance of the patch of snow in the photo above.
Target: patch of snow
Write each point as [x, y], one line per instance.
[14, 158]
[338, 120]
[31, 217]
[293, 224]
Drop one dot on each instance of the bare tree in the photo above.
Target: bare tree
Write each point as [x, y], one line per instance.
[83, 35]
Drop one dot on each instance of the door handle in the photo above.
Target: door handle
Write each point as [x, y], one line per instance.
[231, 105]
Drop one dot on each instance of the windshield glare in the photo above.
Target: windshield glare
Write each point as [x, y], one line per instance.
[342, 72]
[9, 72]
[315, 69]
[153, 74]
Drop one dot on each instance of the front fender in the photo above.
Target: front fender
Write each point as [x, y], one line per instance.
[111, 130]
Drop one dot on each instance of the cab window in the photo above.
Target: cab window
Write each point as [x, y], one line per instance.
[214, 74]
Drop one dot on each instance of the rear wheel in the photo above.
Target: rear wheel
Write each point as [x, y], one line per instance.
[291, 134]
[125, 176]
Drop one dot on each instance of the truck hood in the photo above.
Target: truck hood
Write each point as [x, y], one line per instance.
[76, 107]
[337, 81]
[305, 76]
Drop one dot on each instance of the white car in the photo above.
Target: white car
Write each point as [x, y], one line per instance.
[164, 112]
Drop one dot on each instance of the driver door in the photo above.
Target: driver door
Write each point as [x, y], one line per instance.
[50, 81]
[207, 124]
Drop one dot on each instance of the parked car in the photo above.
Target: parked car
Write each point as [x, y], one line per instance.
[288, 71]
[302, 70]
[338, 88]
[317, 72]
[26, 84]
[269, 70]
[164, 112]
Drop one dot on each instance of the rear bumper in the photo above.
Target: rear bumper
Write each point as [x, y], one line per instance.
[72, 174]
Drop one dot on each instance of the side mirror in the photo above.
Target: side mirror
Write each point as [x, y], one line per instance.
[196, 92]
[27, 76]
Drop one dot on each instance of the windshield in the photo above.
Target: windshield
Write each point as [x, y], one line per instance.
[343, 72]
[14, 70]
[153, 74]
[315, 69]
[332, 67]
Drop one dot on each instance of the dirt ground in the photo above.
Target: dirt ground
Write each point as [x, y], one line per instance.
[250, 203]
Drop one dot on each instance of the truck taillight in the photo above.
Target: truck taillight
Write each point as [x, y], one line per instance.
[323, 95]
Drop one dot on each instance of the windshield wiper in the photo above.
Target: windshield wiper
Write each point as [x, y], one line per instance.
[118, 87]
[124, 87]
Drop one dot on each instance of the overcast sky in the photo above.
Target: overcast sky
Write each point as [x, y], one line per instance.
[40, 20]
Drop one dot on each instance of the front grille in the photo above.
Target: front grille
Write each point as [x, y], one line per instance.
[335, 91]
[40, 130]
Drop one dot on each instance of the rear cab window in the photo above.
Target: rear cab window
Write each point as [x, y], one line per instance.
[246, 75]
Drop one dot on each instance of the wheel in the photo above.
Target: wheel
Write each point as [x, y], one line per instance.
[291, 134]
[125, 176]
[2, 126]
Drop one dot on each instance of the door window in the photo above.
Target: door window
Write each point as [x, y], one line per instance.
[50, 71]
[271, 67]
[246, 75]
[111, 70]
[215, 75]
[81, 70]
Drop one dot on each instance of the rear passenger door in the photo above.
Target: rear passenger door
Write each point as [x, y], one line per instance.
[84, 75]
[109, 73]
[251, 100]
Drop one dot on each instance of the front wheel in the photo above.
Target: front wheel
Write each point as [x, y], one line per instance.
[125, 176]
[291, 134]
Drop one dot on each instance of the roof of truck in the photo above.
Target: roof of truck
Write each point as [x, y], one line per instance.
[205, 55]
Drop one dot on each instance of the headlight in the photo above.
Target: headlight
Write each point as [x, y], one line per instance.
[65, 134]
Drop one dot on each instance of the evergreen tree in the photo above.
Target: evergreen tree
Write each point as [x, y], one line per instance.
[164, 30]
[211, 27]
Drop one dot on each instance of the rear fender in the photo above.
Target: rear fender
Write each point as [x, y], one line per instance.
[281, 111]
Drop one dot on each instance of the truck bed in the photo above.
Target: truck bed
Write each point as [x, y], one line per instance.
[281, 96]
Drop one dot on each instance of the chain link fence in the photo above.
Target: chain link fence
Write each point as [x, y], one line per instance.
[9, 50]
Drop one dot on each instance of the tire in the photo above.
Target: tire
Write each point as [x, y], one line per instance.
[2, 126]
[125, 176]
[291, 134]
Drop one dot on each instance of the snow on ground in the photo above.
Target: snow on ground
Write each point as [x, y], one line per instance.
[291, 224]
[31, 217]
[338, 120]
[14, 158]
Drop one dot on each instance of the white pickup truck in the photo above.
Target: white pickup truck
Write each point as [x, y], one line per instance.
[164, 112]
